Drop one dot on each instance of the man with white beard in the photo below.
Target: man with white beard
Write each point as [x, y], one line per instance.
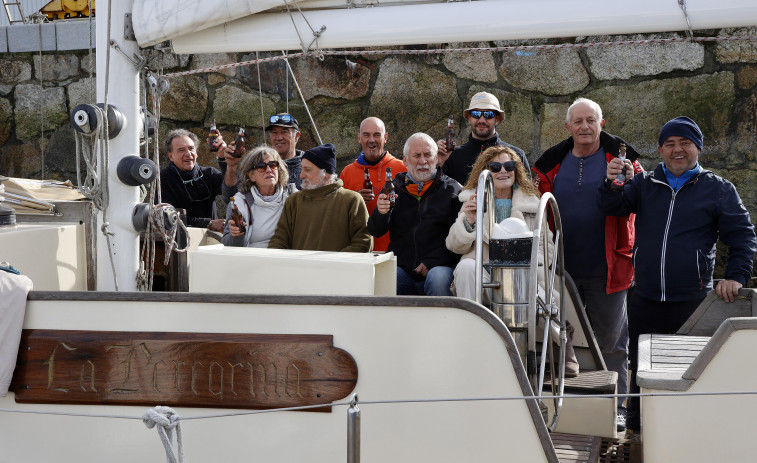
[425, 208]
[323, 216]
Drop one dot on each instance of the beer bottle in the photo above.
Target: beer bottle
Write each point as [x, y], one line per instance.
[449, 136]
[367, 183]
[213, 138]
[236, 216]
[239, 144]
[620, 180]
[388, 189]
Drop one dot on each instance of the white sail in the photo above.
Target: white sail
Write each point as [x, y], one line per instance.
[484, 20]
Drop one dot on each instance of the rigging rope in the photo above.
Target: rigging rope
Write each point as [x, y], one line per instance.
[443, 51]
[391, 402]
[302, 97]
[166, 420]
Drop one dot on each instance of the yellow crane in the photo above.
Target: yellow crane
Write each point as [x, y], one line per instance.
[64, 9]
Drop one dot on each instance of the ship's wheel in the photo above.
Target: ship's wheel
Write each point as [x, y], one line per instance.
[528, 294]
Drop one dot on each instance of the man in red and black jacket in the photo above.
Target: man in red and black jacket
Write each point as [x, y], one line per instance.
[572, 170]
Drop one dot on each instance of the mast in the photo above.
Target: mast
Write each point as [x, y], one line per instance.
[122, 92]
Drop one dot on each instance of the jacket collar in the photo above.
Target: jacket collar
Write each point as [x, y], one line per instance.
[323, 191]
[554, 155]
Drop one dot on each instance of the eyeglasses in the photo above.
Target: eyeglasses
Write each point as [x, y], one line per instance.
[261, 166]
[475, 113]
[282, 118]
[509, 166]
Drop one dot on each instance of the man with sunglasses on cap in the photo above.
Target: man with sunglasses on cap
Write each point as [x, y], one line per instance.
[682, 210]
[597, 247]
[323, 216]
[186, 185]
[483, 115]
[283, 134]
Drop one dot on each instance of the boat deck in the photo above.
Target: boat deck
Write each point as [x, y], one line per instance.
[574, 448]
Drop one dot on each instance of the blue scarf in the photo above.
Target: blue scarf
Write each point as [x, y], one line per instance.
[677, 182]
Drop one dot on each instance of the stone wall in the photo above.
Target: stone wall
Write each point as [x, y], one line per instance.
[638, 86]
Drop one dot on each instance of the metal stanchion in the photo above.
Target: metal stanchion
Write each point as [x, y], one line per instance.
[353, 431]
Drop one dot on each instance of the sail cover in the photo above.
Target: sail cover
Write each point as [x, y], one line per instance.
[196, 26]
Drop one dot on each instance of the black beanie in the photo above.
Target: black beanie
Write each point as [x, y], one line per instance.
[323, 156]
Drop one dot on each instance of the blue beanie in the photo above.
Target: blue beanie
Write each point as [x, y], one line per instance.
[323, 156]
[681, 126]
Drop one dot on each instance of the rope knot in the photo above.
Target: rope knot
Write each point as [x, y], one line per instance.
[166, 420]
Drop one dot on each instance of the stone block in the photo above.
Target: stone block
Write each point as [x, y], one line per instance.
[75, 35]
[81, 91]
[26, 37]
[202, 61]
[35, 105]
[746, 77]
[626, 61]
[552, 72]
[411, 97]
[6, 120]
[333, 77]
[737, 51]
[478, 66]
[14, 71]
[636, 113]
[3, 39]
[55, 67]
[20, 160]
[274, 76]
[89, 64]
[238, 107]
[552, 124]
[187, 100]
[340, 127]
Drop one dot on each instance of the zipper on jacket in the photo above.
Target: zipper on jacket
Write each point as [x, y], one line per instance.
[667, 229]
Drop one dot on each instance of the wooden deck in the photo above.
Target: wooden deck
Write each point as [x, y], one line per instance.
[574, 448]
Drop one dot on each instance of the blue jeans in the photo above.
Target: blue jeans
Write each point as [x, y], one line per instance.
[609, 320]
[436, 283]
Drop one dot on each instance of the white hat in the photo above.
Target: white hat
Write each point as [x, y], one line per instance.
[483, 100]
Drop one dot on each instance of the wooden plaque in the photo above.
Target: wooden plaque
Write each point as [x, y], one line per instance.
[181, 369]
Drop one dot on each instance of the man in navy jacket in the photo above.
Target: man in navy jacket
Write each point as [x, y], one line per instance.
[681, 211]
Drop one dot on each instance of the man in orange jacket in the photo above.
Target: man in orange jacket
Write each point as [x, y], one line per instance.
[376, 160]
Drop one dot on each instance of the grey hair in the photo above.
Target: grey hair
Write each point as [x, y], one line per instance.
[179, 133]
[256, 156]
[420, 136]
[592, 104]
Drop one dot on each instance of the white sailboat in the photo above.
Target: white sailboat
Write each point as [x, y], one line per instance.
[438, 379]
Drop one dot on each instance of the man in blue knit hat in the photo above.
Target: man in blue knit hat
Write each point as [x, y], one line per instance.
[681, 211]
[323, 216]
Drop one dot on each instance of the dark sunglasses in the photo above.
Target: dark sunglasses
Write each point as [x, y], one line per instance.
[261, 166]
[487, 114]
[282, 118]
[509, 166]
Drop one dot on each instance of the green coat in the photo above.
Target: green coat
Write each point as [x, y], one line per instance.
[328, 218]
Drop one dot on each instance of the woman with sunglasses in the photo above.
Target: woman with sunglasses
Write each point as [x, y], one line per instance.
[514, 195]
[262, 192]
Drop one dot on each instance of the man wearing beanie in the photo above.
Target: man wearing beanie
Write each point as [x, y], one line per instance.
[681, 211]
[323, 216]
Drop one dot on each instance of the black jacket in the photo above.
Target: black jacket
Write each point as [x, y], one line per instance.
[676, 232]
[460, 162]
[197, 197]
[419, 228]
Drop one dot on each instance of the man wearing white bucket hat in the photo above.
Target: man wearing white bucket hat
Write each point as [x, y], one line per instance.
[483, 115]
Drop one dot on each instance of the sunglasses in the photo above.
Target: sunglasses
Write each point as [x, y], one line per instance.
[487, 114]
[509, 166]
[261, 166]
[282, 118]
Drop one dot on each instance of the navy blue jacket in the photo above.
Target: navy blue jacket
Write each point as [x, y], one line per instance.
[418, 228]
[676, 232]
